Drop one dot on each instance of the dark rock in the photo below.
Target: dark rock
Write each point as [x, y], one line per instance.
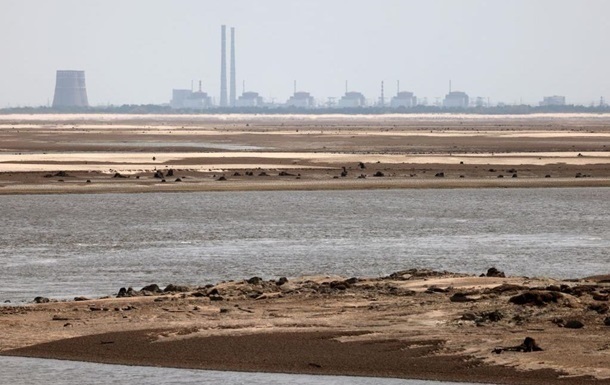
[178, 180]
[500, 176]
[351, 281]
[338, 285]
[153, 288]
[119, 175]
[553, 288]
[41, 300]
[77, 299]
[600, 297]
[122, 292]
[574, 324]
[547, 176]
[131, 292]
[583, 289]
[170, 172]
[378, 174]
[514, 176]
[88, 181]
[361, 176]
[222, 178]
[158, 174]
[440, 175]
[493, 272]
[436, 289]
[284, 173]
[600, 308]
[492, 316]
[528, 345]
[607, 321]
[263, 174]
[536, 297]
[215, 297]
[255, 281]
[236, 173]
[281, 281]
[62, 174]
[171, 288]
[214, 291]
[461, 297]
[361, 165]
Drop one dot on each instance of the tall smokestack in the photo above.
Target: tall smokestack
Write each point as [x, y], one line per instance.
[223, 66]
[70, 90]
[233, 91]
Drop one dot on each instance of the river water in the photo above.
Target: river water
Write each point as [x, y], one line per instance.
[65, 245]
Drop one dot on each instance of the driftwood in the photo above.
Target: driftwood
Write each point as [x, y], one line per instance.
[528, 345]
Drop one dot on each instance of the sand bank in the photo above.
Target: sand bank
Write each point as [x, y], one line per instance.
[411, 324]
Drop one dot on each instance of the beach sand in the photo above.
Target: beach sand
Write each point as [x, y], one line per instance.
[412, 324]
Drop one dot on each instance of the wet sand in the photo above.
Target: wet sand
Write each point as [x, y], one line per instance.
[211, 153]
[412, 324]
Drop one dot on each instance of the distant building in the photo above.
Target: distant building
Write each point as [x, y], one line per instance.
[249, 99]
[187, 99]
[352, 100]
[70, 90]
[456, 99]
[553, 101]
[301, 100]
[404, 99]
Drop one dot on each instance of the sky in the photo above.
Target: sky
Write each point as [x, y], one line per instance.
[137, 51]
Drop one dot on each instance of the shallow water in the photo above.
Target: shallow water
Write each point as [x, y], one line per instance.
[66, 245]
[26, 371]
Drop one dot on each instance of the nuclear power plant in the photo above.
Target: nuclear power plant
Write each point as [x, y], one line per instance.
[70, 90]
[199, 100]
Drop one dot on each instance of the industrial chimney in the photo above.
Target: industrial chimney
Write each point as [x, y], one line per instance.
[223, 66]
[233, 96]
[70, 90]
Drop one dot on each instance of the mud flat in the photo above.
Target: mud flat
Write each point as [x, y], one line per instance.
[418, 324]
[120, 153]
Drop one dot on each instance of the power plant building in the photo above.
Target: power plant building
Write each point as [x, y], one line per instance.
[456, 99]
[187, 99]
[404, 99]
[249, 99]
[352, 99]
[553, 101]
[70, 90]
[301, 100]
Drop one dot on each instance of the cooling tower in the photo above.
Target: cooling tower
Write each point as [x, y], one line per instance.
[223, 66]
[70, 90]
[233, 95]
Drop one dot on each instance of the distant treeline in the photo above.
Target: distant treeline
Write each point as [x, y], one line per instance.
[161, 109]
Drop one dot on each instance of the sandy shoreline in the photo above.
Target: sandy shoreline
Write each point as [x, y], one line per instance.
[291, 152]
[415, 324]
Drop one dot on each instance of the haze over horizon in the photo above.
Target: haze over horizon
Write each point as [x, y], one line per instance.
[136, 52]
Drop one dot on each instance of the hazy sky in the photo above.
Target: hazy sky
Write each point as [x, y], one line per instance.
[137, 51]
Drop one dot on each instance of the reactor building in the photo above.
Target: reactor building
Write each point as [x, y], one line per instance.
[70, 90]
